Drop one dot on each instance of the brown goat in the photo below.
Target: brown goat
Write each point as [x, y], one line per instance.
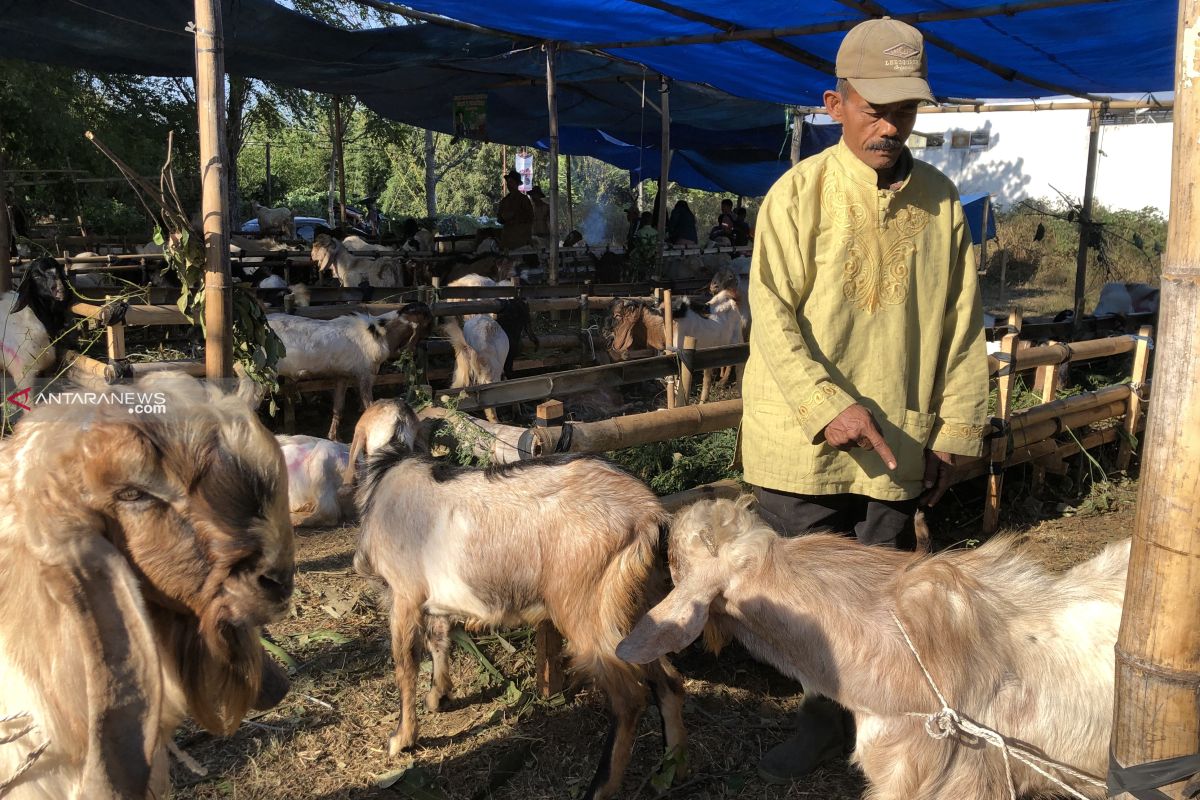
[568, 539]
[634, 325]
[1025, 653]
[139, 556]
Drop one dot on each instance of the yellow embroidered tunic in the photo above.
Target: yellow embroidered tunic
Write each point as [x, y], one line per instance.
[867, 295]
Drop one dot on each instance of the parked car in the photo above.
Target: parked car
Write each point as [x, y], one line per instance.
[306, 227]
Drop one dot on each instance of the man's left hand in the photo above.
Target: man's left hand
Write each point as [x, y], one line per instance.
[938, 471]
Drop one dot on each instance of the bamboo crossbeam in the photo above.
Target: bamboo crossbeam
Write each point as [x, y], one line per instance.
[540, 387]
[1047, 105]
[1045, 411]
[1033, 357]
[637, 429]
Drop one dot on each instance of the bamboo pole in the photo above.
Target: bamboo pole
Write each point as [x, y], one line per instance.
[570, 199]
[339, 148]
[983, 239]
[668, 321]
[635, 429]
[268, 174]
[1085, 214]
[685, 370]
[1137, 380]
[1157, 711]
[6, 232]
[1046, 105]
[991, 510]
[664, 170]
[797, 135]
[210, 107]
[552, 166]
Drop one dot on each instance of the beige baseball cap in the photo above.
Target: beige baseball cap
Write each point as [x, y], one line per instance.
[884, 60]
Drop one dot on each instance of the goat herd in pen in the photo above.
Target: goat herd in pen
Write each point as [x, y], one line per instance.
[142, 553]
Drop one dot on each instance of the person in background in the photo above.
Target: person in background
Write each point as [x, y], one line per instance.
[741, 228]
[633, 217]
[515, 213]
[681, 227]
[541, 215]
[867, 374]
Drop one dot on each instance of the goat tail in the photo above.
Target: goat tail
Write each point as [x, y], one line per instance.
[357, 445]
[466, 360]
[623, 590]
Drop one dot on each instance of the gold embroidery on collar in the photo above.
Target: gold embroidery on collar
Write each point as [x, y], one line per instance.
[874, 277]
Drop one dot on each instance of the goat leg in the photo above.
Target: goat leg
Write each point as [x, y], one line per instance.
[406, 652]
[366, 390]
[726, 374]
[437, 641]
[627, 701]
[339, 402]
[705, 386]
[666, 686]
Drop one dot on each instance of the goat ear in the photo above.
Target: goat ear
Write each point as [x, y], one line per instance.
[104, 611]
[25, 291]
[671, 625]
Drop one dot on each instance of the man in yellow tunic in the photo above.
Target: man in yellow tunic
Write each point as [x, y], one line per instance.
[867, 374]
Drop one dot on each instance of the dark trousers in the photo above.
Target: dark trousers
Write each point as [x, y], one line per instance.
[877, 522]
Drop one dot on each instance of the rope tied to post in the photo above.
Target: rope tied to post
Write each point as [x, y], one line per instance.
[947, 722]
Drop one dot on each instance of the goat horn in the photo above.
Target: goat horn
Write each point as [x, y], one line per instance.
[707, 538]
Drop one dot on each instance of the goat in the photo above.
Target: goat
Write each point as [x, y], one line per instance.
[634, 325]
[274, 220]
[514, 319]
[384, 422]
[357, 244]
[1026, 653]
[480, 351]
[315, 467]
[348, 348]
[31, 321]
[139, 556]
[568, 539]
[718, 323]
[1126, 299]
[353, 271]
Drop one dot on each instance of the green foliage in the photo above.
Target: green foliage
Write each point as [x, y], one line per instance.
[679, 464]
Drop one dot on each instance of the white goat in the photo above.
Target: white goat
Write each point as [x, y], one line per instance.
[480, 350]
[349, 348]
[139, 556]
[1011, 647]
[315, 467]
[274, 220]
[31, 318]
[357, 244]
[353, 271]
[421, 242]
[1126, 299]
[569, 539]
[720, 324]
[739, 283]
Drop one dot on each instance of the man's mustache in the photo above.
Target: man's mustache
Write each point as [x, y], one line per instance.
[885, 145]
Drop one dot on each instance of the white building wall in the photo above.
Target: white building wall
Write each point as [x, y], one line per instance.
[1032, 153]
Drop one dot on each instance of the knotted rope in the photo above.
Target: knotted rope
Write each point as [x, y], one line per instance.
[946, 722]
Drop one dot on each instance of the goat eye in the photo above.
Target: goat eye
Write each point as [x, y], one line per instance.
[131, 495]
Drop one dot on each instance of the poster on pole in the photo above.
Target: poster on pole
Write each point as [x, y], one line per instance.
[470, 115]
[524, 168]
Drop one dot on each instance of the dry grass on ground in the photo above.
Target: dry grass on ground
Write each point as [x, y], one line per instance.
[327, 740]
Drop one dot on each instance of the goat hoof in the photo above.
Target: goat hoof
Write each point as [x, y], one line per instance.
[398, 743]
[434, 701]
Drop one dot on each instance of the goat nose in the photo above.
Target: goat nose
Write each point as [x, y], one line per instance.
[277, 584]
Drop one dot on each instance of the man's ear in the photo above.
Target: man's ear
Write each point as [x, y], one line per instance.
[833, 105]
[671, 625]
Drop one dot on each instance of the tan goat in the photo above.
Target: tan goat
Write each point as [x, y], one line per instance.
[571, 540]
[139, 555]
[1011, 647]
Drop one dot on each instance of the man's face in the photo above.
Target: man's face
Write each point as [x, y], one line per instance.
[876, 134]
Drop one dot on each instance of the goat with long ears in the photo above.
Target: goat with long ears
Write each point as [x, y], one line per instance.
[1010, 647]
[139, 556]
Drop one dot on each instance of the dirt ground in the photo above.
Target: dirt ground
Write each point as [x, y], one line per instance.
[328, 738]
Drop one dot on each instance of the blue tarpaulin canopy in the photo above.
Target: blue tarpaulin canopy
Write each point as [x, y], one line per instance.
[606, 97]
[973, 207]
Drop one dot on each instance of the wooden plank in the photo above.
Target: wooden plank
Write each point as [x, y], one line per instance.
[991, 510]
[549, 665]
[1137, 381]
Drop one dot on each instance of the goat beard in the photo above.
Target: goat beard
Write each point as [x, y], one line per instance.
[220, 665]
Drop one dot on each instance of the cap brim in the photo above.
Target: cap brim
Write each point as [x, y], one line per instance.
[882, 91]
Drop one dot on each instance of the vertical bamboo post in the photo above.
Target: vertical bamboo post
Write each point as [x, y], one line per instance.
[672, 392]
[339, 133]
[1047, 382]
[668, 321]
[664, 169]
[685, 371]
[5, 233]
[1085, 215]
[549, 660]
[268, 174]
[552, 164]
[115, 336]
[210, 108]
[586, 344]
[1137, 386]
[983, 238]
[1003, 273]
[1157, 710]
[570, 199]
[503, 169]
[797, 135]
[999, 450]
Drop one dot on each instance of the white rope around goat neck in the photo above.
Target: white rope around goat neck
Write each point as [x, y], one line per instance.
[945, 722]
[30, 759]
